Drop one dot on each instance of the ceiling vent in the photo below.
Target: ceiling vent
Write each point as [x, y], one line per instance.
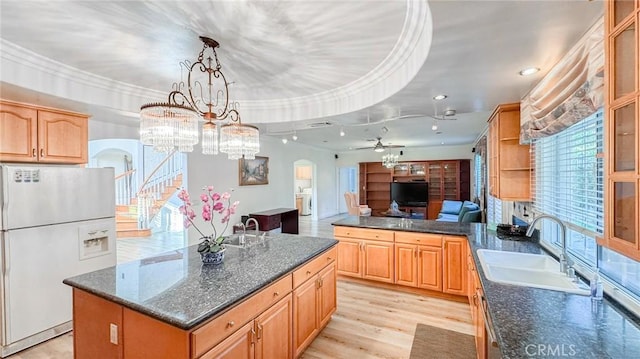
[320, 124]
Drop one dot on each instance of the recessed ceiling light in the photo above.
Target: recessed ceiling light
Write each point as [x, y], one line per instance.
[439, 97]
[294, 137]
[434, 127]
[284, 140]
[442, 143]
[528, 71]
[342, 133]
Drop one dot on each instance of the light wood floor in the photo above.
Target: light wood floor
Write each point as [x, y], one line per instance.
[370, 322]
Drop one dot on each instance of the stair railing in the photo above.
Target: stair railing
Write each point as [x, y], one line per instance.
[125, 183]
[162, 176]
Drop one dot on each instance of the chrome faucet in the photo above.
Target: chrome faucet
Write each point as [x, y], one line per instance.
[254, 221]
[565, 261]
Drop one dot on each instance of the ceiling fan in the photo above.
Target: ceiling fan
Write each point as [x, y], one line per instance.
[379, 147]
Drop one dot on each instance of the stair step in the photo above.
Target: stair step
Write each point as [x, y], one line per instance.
[133, 233]
[125, 226]
[125, 217]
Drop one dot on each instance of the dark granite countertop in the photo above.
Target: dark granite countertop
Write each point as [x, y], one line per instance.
[531, 322]
[176, 288]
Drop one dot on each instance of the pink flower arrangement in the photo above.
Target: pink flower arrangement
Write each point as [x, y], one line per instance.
[212, 203]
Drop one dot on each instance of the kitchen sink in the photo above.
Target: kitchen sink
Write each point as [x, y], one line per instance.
[529, 270]
[250, 239]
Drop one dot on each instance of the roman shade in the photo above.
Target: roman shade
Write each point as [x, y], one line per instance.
[571, 91]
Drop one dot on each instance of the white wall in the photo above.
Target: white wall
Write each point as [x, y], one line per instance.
[223, 174]
[99, 130]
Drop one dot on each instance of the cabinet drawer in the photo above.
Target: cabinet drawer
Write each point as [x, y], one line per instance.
[312, 268]
[213, 332]
[425, 239]
[363, 233]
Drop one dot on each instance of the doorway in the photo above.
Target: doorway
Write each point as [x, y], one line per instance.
[304, 188]
[347, 182]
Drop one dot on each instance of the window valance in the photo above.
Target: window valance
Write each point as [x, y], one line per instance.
[570, 92]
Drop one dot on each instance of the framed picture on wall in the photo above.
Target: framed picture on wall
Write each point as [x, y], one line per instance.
[253, 172]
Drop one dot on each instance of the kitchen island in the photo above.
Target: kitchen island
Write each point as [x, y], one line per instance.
[269, 300]
[526, 322]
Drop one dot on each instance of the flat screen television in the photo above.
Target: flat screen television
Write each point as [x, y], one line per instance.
[410, 194]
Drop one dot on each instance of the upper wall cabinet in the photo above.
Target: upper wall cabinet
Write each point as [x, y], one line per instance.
[509, 161]
[34, 134]
[622, 76]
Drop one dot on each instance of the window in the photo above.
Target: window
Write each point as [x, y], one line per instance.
[494, 211]
[568, 183]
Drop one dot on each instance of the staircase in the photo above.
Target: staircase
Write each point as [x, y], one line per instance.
[127, 215]
[134, 213]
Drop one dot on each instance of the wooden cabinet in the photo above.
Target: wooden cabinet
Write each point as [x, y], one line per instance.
[314, 301]
[454, 269]
[418, 260]
[375, 191]
[475, 294]
[622, 121]
[360, 256]
[509, 161]
[34, 134]
[450, 179]
[238, 346]
[276, 322]
[274, 331]
[377, 261]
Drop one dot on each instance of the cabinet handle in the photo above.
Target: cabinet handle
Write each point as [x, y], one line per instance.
[259, 331]
[253, 335]
[329, 259]
[321, 282]
[275, 294]
[42, 152]
[231, 324]
[33, 152]
[308, 272]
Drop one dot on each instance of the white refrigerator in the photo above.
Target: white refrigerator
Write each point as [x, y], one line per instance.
[55, 222]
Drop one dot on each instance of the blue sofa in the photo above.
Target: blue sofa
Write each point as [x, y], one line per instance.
[459, 211]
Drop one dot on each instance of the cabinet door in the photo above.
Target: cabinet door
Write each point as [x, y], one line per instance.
[327, 294]
[406, 265]
[430, 268]
[378, 261]
[274, 332]
[62, 138]
[350, 257]
[18, 133]
[305, 314]
[450, 181]
[238, 346]
[454, 270]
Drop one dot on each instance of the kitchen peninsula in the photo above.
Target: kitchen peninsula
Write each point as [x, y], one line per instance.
[269, 300]
[524, 321]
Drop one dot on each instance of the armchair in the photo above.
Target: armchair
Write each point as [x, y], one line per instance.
[353, 207]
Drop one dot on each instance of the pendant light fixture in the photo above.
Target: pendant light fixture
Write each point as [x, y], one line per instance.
[205, 95]
[389, 160]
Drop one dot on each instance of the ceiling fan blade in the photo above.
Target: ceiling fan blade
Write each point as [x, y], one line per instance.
[364, 148]
[393, 146]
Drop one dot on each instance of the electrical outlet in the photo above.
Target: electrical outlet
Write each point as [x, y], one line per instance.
[113, 333]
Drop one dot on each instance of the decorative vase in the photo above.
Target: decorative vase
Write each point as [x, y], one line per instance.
[213, 257]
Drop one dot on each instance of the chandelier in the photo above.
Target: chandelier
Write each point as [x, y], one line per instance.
[174, 124]
[389, 160]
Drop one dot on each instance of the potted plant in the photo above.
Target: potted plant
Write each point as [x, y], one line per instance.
[211, 248]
